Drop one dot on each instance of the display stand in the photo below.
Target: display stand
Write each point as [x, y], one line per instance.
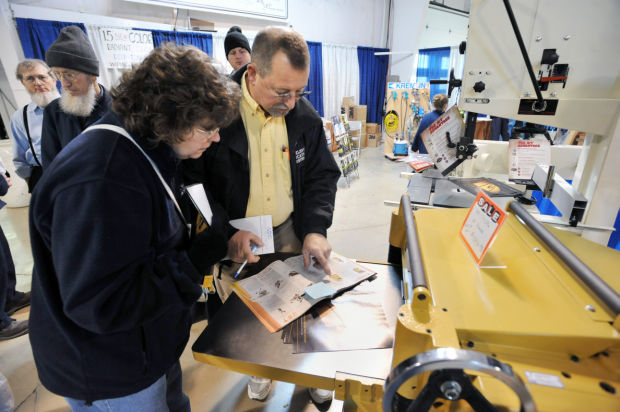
[492, 260]
[348, 155]
[406, 104]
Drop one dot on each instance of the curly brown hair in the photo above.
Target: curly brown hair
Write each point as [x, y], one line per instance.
[173, 90]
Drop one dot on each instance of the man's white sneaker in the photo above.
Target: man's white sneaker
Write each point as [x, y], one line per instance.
[259, 388]
[320, 396]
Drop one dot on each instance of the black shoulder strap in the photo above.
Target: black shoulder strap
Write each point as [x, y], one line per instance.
[28, 134]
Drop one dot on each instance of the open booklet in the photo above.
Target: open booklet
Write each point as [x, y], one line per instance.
[284, 290]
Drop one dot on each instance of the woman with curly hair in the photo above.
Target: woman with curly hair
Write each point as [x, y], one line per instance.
[115, 268]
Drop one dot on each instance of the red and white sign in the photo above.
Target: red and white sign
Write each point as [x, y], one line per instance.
[481, 225]
[524, 155]
[436, 140]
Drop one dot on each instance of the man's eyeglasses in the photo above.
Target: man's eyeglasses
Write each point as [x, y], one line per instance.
[42, 78]
[209, 133]
[68, 76]
[285, 96]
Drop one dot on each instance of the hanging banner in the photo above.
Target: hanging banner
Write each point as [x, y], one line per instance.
[125, 47]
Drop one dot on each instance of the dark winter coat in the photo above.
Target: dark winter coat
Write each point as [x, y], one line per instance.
[113, 281]
[59, 128]
[224, 169]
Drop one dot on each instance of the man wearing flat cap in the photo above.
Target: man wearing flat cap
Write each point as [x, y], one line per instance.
[237, 48]
[83, 101]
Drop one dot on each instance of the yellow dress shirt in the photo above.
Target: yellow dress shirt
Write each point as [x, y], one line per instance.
[270, 169]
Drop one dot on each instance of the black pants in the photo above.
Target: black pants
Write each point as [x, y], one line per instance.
[7, 278]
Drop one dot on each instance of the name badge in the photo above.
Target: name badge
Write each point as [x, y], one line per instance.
[300, 155]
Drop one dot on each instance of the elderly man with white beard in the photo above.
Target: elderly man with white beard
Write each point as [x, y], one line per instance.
[83, 100]
[26, 122]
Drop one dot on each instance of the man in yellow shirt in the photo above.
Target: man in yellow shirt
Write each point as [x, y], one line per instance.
[274, 159]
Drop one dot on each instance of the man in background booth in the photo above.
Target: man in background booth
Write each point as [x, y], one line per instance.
[237, 48]
[83, 100]
[440, 104]
[26, 122]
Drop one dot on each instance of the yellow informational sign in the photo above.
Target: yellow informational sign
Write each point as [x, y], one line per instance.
[391, 121]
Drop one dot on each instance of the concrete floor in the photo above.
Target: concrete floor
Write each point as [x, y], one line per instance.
[360, 230]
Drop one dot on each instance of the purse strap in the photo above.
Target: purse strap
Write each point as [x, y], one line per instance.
[125, 133]
[36, 159]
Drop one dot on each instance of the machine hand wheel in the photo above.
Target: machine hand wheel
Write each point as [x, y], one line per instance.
[448, 381]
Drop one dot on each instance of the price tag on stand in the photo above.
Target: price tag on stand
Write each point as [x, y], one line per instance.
[482, 225]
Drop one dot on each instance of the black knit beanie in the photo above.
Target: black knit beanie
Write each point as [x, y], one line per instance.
[72, 50]
[234, 38]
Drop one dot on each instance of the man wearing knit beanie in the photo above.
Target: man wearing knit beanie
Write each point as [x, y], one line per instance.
[237, 48]
[83, 101]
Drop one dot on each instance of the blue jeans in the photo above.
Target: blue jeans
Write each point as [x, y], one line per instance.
[166, 394]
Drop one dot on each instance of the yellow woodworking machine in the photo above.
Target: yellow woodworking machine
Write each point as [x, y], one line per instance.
[537, 328]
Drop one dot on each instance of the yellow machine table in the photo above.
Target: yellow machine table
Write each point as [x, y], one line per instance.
[527, 330]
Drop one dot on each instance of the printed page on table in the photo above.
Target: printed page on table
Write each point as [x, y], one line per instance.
[280, 293]
[275, 295]
[345, 272]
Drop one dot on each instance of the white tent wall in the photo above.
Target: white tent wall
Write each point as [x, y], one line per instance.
[341, 76]
[348, 22]
[343, 22]
[443, 28]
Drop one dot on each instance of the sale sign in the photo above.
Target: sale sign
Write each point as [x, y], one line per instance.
[482, 225]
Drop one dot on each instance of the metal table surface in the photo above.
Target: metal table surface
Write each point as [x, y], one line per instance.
[236, 340]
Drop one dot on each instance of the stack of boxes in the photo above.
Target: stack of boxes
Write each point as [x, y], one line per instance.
[369, 133]
[357, 113]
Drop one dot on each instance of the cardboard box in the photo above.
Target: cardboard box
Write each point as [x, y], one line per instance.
[355, 128]
[373, 139]
[329, 128]
[364, 140]
[201, 25]
[358, 113]
[348, 101]
[373, 128]
[345, 108]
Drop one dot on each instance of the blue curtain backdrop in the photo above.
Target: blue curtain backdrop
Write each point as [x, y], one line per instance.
[315, 80]
[204, 41]
[37, 35]
[434, 64]
[373, 75]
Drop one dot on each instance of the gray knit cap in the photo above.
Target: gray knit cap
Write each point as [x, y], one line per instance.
[72, 50]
